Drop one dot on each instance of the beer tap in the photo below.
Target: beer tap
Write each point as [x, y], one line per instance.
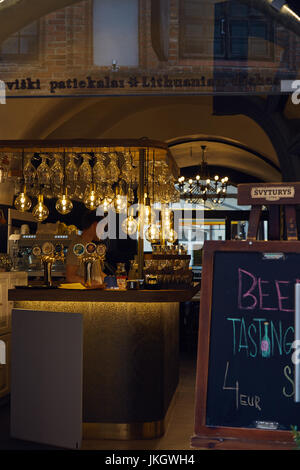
[48, 254]
[88, 255]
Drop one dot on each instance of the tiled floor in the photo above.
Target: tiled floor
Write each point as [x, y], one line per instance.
[177, 435]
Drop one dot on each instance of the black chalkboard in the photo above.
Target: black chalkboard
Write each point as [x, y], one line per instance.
[245, 381]
[251, 294]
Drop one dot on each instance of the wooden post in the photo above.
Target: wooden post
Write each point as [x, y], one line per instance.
[274, 222]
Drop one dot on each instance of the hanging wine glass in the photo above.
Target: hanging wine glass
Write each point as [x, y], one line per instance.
[44, 176]
[112, 169]
[56, 174]
[43, 171]
[4, 165]
[85, 170]
[84, 176]
[29, 171]
[162, 173]
[99, 168]
[127, 171]
[71, 174]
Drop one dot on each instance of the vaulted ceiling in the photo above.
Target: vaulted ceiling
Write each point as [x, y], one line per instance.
[183, 122]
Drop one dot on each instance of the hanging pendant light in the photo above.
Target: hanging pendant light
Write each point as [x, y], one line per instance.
[153, 234]
[120, 202]
[64, 204]
[147, 211]
[171, 236]
[130, 224]
[168, 231]
[40, 212]
[91, 199]
[23, 202]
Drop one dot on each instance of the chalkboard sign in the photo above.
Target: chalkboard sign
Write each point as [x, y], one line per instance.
[245, 374]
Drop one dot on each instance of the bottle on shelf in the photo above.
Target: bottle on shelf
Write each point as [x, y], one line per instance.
[121, 276]
[133, 270]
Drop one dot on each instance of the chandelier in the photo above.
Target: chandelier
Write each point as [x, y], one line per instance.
[203, 189]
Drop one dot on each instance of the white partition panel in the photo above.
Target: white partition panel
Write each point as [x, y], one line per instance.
[46, 378]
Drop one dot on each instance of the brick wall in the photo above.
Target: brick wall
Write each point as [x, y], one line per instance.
[66, 52]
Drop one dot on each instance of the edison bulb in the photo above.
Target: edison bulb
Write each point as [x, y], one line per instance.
[40, 212]
[147, 215]
[22, 202]
[64, 204]
[153, 234]
[91, 201]
[105, 204]
[171, 236]
[120, 203]
[130, 225]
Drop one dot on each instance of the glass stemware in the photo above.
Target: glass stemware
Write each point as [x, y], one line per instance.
[112, 169]
[71, 174]
[85, 170]
[57, 175]
[127, 170]
[29, 171]
[4, 165]
[99, 168]
[85, 176]
[43, 171]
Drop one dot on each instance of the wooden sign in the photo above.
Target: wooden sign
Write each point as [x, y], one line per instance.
[268, 193]
[245, 393]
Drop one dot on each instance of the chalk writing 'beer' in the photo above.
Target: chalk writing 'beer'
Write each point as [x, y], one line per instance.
[255, 293]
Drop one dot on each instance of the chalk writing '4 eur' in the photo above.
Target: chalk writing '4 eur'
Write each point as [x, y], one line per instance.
[240, 398]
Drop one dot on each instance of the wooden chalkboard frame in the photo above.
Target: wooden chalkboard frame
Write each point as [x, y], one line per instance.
[229, 437]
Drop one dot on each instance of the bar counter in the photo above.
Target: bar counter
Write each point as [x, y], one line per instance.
[130, 354]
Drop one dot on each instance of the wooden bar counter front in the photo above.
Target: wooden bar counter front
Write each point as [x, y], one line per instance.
[130, 355]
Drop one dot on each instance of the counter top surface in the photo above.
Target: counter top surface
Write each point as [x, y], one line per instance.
[98, 295]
